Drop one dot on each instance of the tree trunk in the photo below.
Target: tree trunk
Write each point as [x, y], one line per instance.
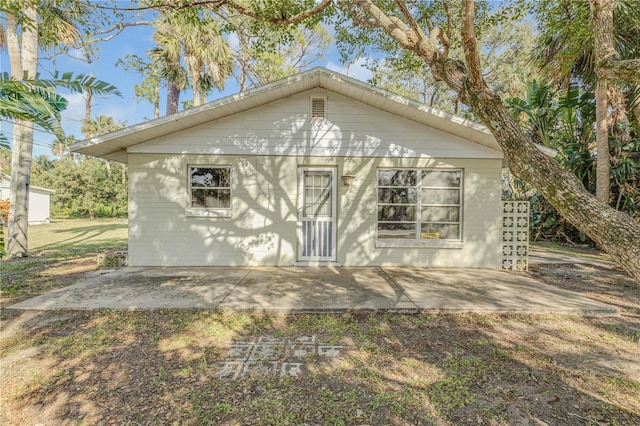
[636, 116]
[173, 98]
[243, 58]
[616, 232]
[87, 108]
[603, 164]
[192, 66]
[13, 45]
[156, 102]
[18, 223]
[22, 152]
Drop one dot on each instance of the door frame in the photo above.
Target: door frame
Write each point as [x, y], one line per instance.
[334, 209]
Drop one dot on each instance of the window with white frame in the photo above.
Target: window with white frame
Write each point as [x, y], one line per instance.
[420, 204]
[210, 188]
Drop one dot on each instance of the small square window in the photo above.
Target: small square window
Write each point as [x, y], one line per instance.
[209, 191]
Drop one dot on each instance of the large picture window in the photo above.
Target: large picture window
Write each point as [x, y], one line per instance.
[420, 204]
[210, 188]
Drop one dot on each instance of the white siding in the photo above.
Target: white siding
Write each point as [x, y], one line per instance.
[39, 201]
[262, 229]
[266, 146]
[283, 127]
[39, 206]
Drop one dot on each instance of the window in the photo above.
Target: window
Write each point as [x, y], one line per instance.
[420, 204]
[210, 191]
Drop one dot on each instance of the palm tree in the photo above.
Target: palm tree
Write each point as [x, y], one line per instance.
[100, 125]
[35, 100]
[59, 146]
[43, 162]
[188, 36]
[567, 51]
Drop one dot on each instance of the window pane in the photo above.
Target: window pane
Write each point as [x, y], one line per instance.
[210, 177]
[311, 180]
[438, 231]
[317, 202]
[449, 179]
[213, 198]
[396, 213]
[397, 177]
[317, 209]
[440, 196]
[440, 214]
[397, 196]
[397, 230]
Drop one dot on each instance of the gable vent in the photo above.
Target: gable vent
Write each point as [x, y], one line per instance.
[318, 108]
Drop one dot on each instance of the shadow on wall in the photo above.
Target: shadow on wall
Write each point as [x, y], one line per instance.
[263, 226]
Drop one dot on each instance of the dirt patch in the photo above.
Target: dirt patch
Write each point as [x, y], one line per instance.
[164, 366]
[29, 277]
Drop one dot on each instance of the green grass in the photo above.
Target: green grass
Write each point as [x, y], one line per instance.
[63, 239]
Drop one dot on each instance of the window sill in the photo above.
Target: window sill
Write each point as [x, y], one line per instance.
[208, 212]
[391, 243]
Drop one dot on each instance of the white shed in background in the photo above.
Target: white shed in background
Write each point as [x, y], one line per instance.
[39, 200]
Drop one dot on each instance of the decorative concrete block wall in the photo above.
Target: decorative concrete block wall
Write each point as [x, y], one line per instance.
[114, 259]
[515, 235]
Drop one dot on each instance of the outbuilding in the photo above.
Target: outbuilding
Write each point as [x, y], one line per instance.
[39, 200]
[317, 168]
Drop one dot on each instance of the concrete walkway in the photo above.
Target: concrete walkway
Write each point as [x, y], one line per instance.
[329, 289]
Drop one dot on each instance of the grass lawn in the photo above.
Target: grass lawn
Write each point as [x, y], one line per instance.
[64, 238]
[68, 246]
[168, 366]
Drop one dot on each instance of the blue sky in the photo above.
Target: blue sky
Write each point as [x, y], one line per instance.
[133, 40]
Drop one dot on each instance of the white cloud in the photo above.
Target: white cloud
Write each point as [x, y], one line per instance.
[356, 69]
[233, 40]
[121, 110]
[74, 114]
[117, 108]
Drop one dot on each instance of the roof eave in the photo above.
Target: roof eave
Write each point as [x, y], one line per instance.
[233, 104]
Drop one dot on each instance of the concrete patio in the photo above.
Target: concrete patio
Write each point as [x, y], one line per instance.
[328, 289]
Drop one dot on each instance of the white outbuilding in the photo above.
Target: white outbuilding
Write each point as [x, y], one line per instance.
[39, 200]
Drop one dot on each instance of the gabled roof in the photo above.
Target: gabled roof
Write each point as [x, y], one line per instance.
[113, 145]
[7, 178]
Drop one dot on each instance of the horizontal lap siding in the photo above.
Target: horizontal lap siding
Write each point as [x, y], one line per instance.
[266, 146]
[283, 128]
[262, 230]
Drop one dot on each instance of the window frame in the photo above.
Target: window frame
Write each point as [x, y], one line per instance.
[416, 241]
[209, 211]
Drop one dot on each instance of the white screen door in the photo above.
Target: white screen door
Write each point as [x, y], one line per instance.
[316, 214]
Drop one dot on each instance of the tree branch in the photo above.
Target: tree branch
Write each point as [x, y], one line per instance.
[419, 34]
[280, 21]
[447, 43]
[118, 28]
[628, 69]
[608, 62]
[438, 34]
[470, 44]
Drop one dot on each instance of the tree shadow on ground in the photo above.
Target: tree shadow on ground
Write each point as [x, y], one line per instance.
[164, 366]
